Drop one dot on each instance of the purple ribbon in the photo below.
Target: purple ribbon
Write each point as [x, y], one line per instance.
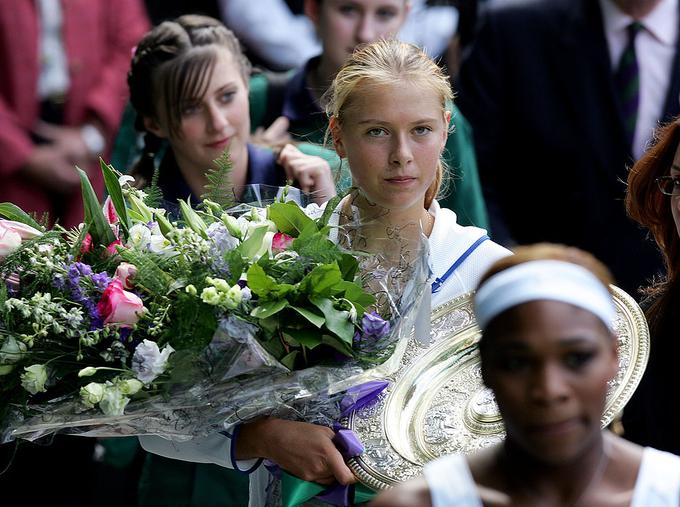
[349, 446]
[361, 396]
[345, 440]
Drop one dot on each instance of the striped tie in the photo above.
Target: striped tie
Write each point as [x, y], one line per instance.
[627, 81]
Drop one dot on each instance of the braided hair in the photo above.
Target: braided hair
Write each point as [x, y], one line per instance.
[173, 65]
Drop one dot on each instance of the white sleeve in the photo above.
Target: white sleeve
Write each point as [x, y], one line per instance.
[283, 39]
[215, 449]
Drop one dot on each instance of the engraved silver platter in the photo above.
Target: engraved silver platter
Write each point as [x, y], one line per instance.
[436, 402]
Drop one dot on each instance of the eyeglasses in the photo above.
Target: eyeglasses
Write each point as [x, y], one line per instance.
[669, 185]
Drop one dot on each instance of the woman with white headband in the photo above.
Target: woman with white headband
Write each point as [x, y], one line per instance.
[548, 353]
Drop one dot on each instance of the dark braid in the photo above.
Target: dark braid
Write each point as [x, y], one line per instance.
[172, 65]
[143, 170]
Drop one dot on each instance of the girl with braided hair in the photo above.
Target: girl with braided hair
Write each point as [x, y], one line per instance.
[188, 83]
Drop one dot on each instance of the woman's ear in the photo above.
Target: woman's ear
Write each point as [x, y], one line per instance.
[447, 127]
[336, 134]
[154, 127]
[311, 9]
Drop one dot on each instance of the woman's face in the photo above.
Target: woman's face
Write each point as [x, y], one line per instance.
[549, 363]
[343, 24]
[213, 123]
[392, 136]
[675, 200]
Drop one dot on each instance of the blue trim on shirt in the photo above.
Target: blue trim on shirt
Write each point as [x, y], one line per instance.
[437, 284]
[232, 451]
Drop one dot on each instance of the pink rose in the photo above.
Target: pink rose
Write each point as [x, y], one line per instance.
[119, 307]
[281, 241]
[11, 235]
[125, 272]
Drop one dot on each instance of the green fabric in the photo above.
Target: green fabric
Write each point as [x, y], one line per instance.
[174, 483]
[126, 146]
[462, 190]
[295, 491]
[120, 452]
[258, 100]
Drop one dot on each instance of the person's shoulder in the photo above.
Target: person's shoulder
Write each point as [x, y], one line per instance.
[448, 218]
[414, 493]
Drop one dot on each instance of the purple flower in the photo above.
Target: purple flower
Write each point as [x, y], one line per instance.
[374, 326]
[101, 280]
[58, 282]
[84, 269]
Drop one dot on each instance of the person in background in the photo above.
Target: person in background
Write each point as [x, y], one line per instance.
[563, 96]
[188, 84]
[389, 118]
[653, 200]
[62, 91]
[279, 34]
[61, 96]
[548, 353]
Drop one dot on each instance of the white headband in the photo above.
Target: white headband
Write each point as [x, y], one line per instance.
[545, 279]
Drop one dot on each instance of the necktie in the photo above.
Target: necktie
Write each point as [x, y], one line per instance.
[627, 81]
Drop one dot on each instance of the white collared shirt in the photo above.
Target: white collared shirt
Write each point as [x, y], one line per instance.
[655, 50]
[53, 78]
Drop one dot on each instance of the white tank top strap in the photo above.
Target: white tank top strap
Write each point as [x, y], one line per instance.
[658, 481]
[451, 483]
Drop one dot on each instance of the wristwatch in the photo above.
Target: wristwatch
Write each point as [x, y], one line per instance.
[93, 139]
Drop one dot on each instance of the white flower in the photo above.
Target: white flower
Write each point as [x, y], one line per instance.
[130, 386]
[191, 290]
[160, 245]
[148, 361]
[139, 236]
[113, 401]
[92, 394]
[210, 296]
[232, 298]
[11, 350]
[124, 179]
[34, 379]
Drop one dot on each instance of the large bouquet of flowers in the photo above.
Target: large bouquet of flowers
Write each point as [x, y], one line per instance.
[138, 322]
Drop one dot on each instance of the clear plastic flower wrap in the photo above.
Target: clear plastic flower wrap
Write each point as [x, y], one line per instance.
[297, 305]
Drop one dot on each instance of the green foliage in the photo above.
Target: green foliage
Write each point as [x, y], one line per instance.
[154, 194]
[289, 218]
[193, 323]
[94, 216]
[115, 192]
[150, 276]
[218, 188]
[12, 212]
